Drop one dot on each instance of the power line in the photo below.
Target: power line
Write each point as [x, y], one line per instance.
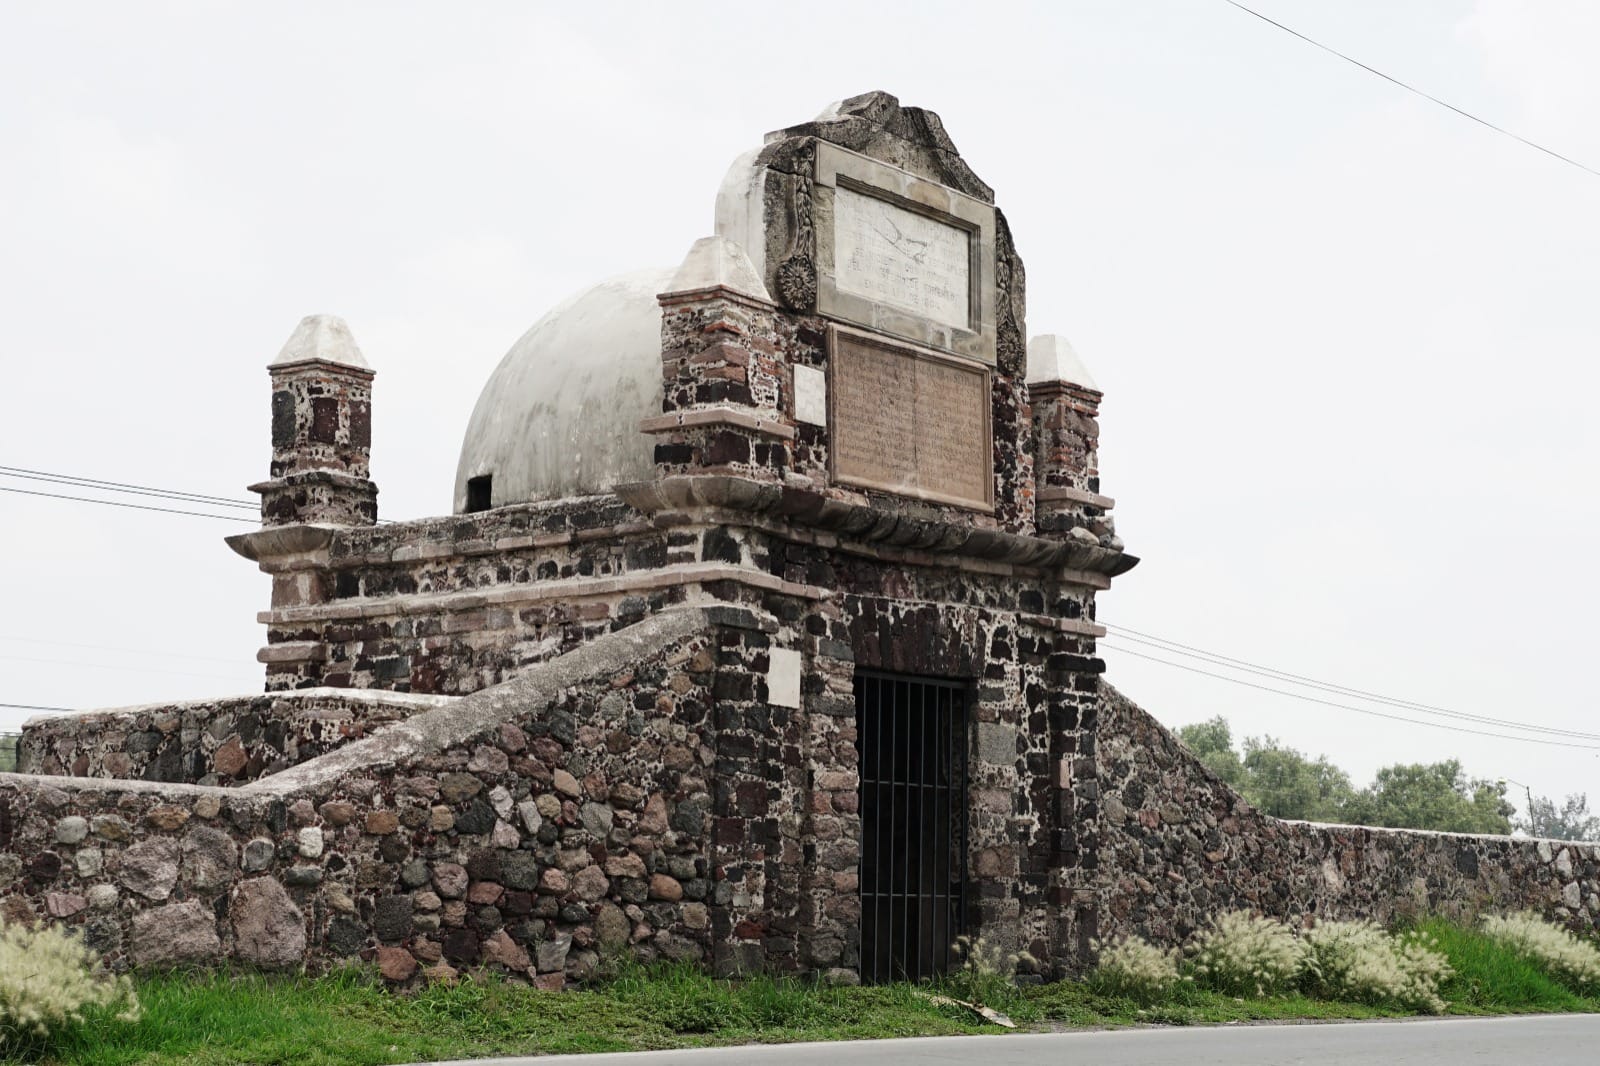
[1413, 89]
[125, 651]
[1346, 706]
[1246, 666]
[123, 486]
[117, 667]
[95, 484]
[33, 707]
[120, 503]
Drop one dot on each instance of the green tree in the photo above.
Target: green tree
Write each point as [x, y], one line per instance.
[1432, 796]
[1212, 741]
[1276, 779]
[1287, 783]
[1570, 821]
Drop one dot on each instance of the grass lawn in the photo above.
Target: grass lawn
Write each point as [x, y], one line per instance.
[349, 1018]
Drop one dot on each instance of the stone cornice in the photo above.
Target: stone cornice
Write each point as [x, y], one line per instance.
[689, 493]
[366, 607]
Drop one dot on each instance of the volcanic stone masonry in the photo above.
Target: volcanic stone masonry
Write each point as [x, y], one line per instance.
[628, 699]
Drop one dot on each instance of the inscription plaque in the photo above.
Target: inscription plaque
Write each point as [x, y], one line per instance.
[909, 422]
[896, 256]
[902, 255]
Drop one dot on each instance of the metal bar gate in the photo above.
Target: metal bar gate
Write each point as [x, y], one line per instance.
[911, 734]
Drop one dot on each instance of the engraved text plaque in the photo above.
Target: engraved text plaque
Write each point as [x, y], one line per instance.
[909, 421]
[892, 255]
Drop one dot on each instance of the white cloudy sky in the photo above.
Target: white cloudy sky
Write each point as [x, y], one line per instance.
[1347, 338]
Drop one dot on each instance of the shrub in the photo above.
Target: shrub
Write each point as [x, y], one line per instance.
[1134, 968]
[1359, 961]
[1573, 962]
[48, 980]
[986, 972]
[1244, 954]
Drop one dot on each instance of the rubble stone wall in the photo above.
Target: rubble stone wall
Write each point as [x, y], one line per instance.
[1176, 845]
[226, 741]
[453, 605]
[531, 826]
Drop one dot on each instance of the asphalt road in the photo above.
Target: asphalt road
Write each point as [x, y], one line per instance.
[1549, 1040]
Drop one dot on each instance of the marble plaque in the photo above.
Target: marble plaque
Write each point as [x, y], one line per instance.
[910, 422]
[896, 256]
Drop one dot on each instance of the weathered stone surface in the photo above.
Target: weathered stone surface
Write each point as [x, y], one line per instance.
[458, 788]
[392, 918]
[111, 827]
[597, 818]
[209, 858]
[346, 936]
[177, 932]
[310, 842]
[664, 887]
[499, 948]
[268, 929]
[166, 817]
[591, 884]
[396, 964]
[258, 855]
[64, 904]
[72, 829]
[450, 880]
[552, 953]
[625, 866]
[150, 868]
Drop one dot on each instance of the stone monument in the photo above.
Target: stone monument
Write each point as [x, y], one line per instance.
[763, 635]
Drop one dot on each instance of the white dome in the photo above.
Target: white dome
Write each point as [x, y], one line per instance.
[560, 414]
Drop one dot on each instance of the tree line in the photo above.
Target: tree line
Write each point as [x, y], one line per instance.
[1287, 783]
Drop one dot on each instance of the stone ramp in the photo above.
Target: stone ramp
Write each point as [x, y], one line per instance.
[525, 827]
[228, 741]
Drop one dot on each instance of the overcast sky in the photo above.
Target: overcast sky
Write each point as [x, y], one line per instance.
[1347, 338]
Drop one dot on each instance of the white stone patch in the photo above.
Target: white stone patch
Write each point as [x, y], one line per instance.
[311, 842]
[783, 678]
[893, 255]
[810, 395]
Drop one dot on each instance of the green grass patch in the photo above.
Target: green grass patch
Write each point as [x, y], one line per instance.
[348, 1017]
[1491, 978]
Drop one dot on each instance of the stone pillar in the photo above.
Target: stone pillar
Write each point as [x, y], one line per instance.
[1066, 433]
[321, 431]
[723, 379]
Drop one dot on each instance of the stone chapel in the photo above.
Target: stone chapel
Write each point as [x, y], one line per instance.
[762, 635]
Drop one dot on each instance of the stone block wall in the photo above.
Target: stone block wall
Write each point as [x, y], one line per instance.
[1176, 845]
[533, 827]
[452, 605]
[226, 741]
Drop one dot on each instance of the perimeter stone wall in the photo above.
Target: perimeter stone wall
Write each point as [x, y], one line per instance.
[1176, 845]
[531, 827]
[210, 742]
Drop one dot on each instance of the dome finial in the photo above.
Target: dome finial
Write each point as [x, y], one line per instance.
[717, 262]
[324, 338]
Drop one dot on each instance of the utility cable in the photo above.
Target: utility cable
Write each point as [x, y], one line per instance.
[118, 667]
[122, 486]
[120, 503]
[1189, 651]
[124, 651]
[95, 484]
[32, 707]
[1413, 89]
[1346, 706]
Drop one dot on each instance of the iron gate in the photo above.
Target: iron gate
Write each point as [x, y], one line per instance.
[911, 735]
